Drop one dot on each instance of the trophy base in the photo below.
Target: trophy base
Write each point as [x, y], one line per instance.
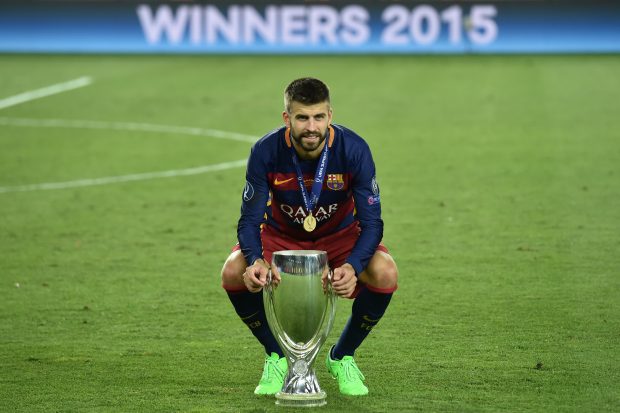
[301, 399]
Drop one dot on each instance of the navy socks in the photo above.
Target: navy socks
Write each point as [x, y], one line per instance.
[249, 307]
[367, 310]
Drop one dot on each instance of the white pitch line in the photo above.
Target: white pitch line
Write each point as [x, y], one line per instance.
[130, 126]
[45, 91]
[125, 178]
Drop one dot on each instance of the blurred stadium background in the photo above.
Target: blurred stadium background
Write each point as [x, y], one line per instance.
[124, 129]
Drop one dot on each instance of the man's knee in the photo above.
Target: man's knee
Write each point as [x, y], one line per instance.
[390, 275]
[382, 272]
[232, 271]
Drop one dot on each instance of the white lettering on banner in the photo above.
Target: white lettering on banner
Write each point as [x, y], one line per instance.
[196, 25]
[254, 23]
[299, 25]
[483, 29]
[293, 24]
[228, 28]
[422, 25]
[323, 22]
[396, 18]
[454, 17]
[425, 25]
[289, 25]
[355, 22]
[163, 21]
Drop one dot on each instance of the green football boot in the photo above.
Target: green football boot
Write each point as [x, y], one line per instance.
[274, 373]
[350, 378]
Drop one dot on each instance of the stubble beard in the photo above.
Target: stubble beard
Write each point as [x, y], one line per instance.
[309, 147]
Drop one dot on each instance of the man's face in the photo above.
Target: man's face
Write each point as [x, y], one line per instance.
[308, 124]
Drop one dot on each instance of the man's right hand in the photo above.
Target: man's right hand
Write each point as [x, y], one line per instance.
[255, 276]
[344, 280]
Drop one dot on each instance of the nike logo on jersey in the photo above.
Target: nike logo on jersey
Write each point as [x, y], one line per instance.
[278, 182]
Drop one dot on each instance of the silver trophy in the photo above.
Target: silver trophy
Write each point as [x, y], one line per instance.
[300, 314]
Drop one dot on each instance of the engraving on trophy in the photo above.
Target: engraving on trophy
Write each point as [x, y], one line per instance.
[300, 368]
[300, 314]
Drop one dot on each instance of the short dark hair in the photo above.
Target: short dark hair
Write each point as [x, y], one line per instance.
[307, 90]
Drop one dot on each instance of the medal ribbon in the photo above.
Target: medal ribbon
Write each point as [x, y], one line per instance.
[317, 186]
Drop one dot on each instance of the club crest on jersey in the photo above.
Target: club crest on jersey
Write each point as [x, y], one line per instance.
[335, 182]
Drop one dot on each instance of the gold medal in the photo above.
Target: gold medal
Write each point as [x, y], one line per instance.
[309, 223]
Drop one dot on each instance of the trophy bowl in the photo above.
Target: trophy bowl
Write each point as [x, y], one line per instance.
[300, 313]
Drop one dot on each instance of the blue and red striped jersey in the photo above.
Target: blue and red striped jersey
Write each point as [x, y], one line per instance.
[350, 193]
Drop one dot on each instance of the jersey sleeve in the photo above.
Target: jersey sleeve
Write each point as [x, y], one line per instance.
[253, 206]
[368, 209]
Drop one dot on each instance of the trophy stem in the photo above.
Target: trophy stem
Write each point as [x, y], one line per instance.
[301, 387]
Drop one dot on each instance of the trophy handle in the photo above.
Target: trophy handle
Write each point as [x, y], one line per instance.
[330, 276]
[330, 312]
[269, 281]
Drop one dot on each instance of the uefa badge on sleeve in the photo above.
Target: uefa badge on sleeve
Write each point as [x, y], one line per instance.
[374, 198]
[248, 191]
[375, 186]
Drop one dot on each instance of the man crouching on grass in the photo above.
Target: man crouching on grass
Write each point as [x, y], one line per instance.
[342, 216]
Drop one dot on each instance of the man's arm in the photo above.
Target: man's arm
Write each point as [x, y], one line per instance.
[368, 210]
[253, 206]
[368, 213]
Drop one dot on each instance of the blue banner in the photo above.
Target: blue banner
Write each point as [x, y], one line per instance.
[310, 27]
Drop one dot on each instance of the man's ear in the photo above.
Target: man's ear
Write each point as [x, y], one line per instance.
[286, 118]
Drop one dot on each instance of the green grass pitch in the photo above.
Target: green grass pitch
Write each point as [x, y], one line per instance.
[500, 186]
